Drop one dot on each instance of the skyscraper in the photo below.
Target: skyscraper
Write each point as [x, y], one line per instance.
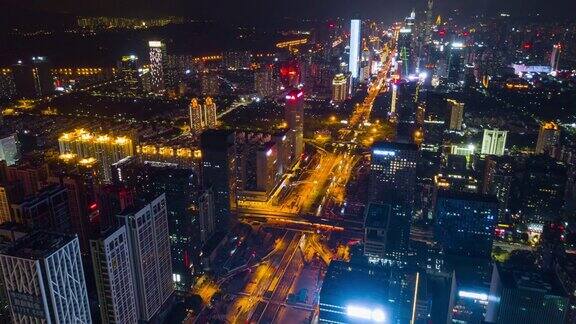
[339, 88]
[456, 63]
[158, 65]
[48, 209]
[219, 172]
[210, 112]
[521, 295]
[209, 84]
[456, 114]
[555, 57]
[9, 149]
[465, 222]
[114, 277]
[197, 123]
[206, 215]
[494, 142]
[149, 244]
[355, 40]
[393, 182]
[266, 83]
[294, 116]
[548, 138]
[44, 279]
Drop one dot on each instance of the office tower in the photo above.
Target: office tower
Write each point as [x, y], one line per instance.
[393, 182]
[358, 293]
[294, 116]
[219, 172]
[542, 190]
[149, 244]
[456, 114]
[380, 233]
[114, 277]
[9, 149]
[158, 65]
[266, 82]
[33, 79]
[7, 86]
[355, 39]
[406, 106]
[405, 51]
[339, 88]
[456, 63]
[237, 60]
[524, 295]
[105, 149]
[44, 279]
[111, 201]
[494, 142]
[498, 176]
[23, 80]
[548, 138]
[555, 57]
[31, 174]
[465, 222]
[48, 209]
[209, 84]
[128, 69]
[206, 215]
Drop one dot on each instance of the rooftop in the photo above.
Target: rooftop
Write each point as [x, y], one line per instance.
[460, 195]
[38, 245]
[377, 215]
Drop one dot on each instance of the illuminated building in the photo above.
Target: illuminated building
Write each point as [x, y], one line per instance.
[44, 279]
[266, 83]
[548, 138]
[149, 244]
[33, 79]
[456, 63]
[202, 116]
[158, 65]
[393, 182]
[465, 222]
[129, 71]
[9, 149]
[237, 60]
[48, 209]
[542, 190]
[521, 295]
[339, 88]
[555, 57]
[114, 277]
[355, 39]
[381, 231]
[209, 84]
[206, 215]
[106, 149]
[405, 50]
[7, 86]
[294, 116]
[354, 293]
[494, 142]
[219, 172]
[498, 176]
[456, 114]
[10, 193]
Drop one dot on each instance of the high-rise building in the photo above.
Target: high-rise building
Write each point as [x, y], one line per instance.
[209, 84]
[543, 186]
[10, 193]
[128, 69]
[266, 83]
[378, 235]
[111, 201]
[465, 222]
[405, 50]
[114, 277]
[206, 215]
[555, 57]
[237, 60]
[294, 116]
[339, 88]
[210, 113]
[358, 293]
[33, 79]
[44, 279]
[158, 65]
[498, 176]
[456, 114]
[521, 295]
[149, 244]
[406, 107]
[30, 174]
[355, 40]
[105, 149]
[548, 138]
[202, 116]
[494, 142]
[48, 209]
[219, 172]
[7, 86]
[456, 63]
[393, 182]
[9, 149]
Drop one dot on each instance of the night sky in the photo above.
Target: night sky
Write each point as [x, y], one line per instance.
[265, 10]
